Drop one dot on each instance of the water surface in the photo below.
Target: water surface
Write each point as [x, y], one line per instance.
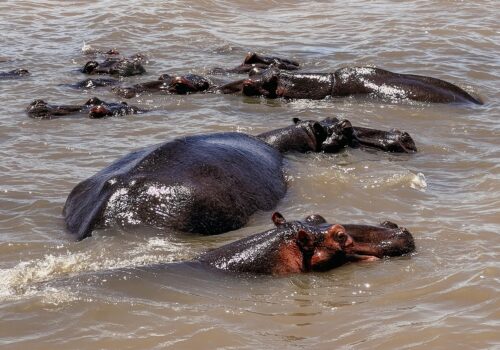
[100, 293]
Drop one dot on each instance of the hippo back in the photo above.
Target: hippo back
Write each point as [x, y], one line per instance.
[207, 184]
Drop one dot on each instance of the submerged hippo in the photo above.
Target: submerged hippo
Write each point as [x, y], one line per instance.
[212, 183]
[13, 74]
[168, 84]
[376, 82]
[94, 107]
[123, 67]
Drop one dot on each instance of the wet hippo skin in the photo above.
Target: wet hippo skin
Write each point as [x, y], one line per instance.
[168, 84]
[123, 67]
[375, 82]
[94, 108]
[305, 246]
[207, 184]
[254, 60]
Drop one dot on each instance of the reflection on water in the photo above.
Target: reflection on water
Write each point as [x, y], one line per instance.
[104, 293]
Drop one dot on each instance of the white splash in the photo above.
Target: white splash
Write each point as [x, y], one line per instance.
[87, 48]
[418, 182]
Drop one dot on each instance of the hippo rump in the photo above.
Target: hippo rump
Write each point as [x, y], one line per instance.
[209, 184]
[374, 82]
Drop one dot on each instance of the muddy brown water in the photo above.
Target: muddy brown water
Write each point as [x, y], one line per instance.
[102, 293]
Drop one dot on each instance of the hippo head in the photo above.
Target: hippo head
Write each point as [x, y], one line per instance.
[339, 134]
[331, 134]
[38, 109]
[263, 84]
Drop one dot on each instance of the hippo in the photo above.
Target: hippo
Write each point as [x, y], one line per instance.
[13, 74]
[309, 245]
[123, 67]
[371, 242]
[354, 81]
[209, 183]
[254, 60]
[168, 84]
[39, 109]
[92, 83]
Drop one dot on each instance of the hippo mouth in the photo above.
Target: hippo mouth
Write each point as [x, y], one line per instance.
[363, 252]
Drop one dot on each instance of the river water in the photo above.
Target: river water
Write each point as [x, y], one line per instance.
[102, 293]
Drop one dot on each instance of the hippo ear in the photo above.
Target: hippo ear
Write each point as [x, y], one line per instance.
[278, 219]
[305, 241]
[296, 120]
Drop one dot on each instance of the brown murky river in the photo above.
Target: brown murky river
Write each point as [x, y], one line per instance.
[100, 294]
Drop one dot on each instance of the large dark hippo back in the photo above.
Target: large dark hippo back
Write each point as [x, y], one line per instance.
[207, 184]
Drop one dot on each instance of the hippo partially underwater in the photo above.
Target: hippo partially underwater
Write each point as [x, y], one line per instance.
[14, 74]
[270, 76]
[209, 184]
[168, 84]
[353, 81]
[308, 245]
[94, 108]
